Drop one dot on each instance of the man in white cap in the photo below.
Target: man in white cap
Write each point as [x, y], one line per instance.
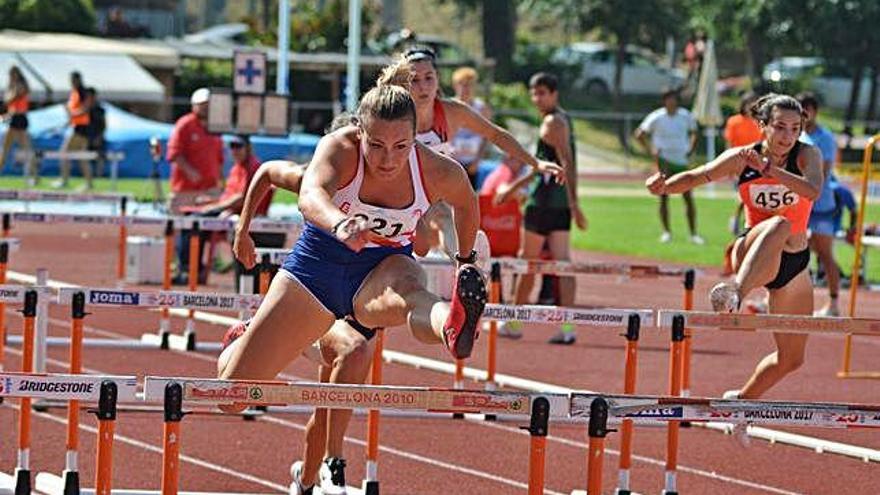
[196, 159]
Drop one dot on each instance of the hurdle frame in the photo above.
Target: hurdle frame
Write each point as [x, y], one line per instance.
[846, 366]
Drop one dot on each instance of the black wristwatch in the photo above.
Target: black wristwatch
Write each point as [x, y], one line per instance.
[468, 260]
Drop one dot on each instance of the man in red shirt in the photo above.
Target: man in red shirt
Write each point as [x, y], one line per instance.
[196, 159]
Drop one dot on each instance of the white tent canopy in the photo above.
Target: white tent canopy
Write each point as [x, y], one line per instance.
[115, 77]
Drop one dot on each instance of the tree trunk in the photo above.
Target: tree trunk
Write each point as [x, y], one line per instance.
[267, 15]
[871, 114]
[854, 95]
[499, 28]
[617, 90]
[756, 57]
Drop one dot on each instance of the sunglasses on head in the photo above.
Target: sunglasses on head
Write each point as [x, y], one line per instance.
[236, 145]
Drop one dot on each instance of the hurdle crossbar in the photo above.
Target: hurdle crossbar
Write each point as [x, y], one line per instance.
[771, 323]
[556, 314]
[268, 393]
[180, 222]
[33, 195]
[65, 387]
[162, 299]
[778, 413]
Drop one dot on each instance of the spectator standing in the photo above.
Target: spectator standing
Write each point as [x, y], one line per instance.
[196, 159]
[468, 146]
[672, 130]
[78, 107]
[17, 103]
[500, 213]
[550, 206]
[97, 127]
[821, 225]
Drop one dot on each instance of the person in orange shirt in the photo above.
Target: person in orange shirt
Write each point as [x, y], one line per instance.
[78, 106]
[17, 104]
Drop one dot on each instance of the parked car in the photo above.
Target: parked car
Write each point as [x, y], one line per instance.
[643, 73]
[830, 80]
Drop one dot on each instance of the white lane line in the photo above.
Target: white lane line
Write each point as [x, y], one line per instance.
[649, 460]
[158, 450]
[415, 457]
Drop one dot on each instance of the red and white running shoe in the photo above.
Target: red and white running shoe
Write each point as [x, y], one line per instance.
[468, 300]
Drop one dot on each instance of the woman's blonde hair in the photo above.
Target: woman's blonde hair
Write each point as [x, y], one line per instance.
[390, 98]
[464, 74]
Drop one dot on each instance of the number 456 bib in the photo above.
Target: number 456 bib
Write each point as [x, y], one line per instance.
[772, 197]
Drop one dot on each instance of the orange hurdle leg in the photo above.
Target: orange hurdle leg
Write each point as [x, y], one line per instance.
[22, 469]
[492, 354]
[598, 429]
[106, 425]
[194, 260]
[265, 275]
[4, 259]
[629, 387]
[171, 441]
[688, 304]
[675, 359]
[123, 236]
[371, 477]
[538, 444]
[165, 320]
[71, 468]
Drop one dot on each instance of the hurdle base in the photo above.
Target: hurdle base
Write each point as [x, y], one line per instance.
[621, 491]
[490, 417]
[159, 339]
[370, 487]
[669, 492]
[859, 375]
[457, 415]
[185, 342]
[22, 481]
[71, 482]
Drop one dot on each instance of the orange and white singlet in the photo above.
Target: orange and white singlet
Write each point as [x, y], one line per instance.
[765, 197]
[437, 137]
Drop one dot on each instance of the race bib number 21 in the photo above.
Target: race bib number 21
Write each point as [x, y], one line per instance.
[772, 197]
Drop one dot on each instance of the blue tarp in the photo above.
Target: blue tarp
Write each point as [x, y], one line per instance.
[131, 134]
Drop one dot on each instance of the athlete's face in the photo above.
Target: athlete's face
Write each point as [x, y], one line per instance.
[464, 89]
[783, 129]
[543, 99]
[424, 83]
[386, 145]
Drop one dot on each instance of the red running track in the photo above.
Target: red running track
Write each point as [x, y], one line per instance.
[427, 456]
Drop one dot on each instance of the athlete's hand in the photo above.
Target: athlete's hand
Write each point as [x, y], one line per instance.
[354, 232]
[579, 218]
[754, 160]
[551, 168]
[656, 184]
[243, 248]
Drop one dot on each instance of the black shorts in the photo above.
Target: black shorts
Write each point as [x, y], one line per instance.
[790, 266]
[18, 121]
[367, 333]
[543, 221]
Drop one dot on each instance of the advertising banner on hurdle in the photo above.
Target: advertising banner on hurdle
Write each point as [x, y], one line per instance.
[555, 314]
[276, 255]
[163, 299]
[770, 322]
[647, 409]
[353, 396]
[34, 195]
[85, 388]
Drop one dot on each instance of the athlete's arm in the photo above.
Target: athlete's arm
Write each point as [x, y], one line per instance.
[279, 173]
[321, 179]
[461, 115]
[449, 182]
[728, 163]
[808, 186]
[505, 191]
[555, 132]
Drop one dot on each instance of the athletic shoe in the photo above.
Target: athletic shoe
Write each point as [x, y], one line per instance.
[724, 298]
[468, 300]
[699, 241]
[665, 237]
[565, 336]
[484, 251]
[232, 333]
[510, 329]
[331, 476]
[740, 431]
[296, 486]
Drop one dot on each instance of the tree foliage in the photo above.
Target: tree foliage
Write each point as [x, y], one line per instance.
[60, 16]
